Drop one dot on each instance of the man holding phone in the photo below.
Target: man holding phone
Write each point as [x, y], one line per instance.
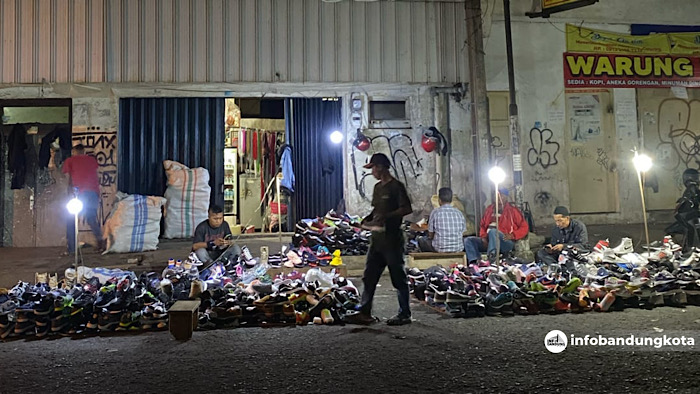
[566, 232]
[210, 237]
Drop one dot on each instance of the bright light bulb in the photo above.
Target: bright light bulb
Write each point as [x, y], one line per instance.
[336, 137]
[497, 175]
[74, 206]
[642, 162]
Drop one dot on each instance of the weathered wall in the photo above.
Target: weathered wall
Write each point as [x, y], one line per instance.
[541, 97]
[416, 168]
[95, 117]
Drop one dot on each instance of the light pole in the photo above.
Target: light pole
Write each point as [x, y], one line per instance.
[75, 206]
[497, 176]
[642, 163]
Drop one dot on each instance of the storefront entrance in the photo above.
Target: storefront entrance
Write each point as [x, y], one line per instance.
[36, 138]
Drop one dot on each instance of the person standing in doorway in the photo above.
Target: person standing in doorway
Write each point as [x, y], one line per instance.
[391, 203]
[82, 173]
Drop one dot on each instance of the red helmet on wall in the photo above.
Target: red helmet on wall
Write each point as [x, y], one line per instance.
[432, 140]
[428, 143]
[361, 142]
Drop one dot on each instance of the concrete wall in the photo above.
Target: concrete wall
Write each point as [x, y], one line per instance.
[420, 168]
[96, 107]
[538, 48]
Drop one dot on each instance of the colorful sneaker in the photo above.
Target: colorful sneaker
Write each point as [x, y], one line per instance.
[602, 246]
[129, 321]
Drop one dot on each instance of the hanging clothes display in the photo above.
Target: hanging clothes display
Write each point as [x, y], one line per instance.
[17, 156]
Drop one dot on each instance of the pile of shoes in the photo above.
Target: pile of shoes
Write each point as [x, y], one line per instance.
[332, 232]
[604, 279]
[291, 299]
[120, 304]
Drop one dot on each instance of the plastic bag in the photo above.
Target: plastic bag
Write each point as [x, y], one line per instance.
[325, 279]
[249, 275]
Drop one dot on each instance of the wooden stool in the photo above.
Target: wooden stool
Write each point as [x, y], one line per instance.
[425, 260]
[183, 319]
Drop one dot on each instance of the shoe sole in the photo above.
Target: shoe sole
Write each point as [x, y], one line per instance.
[20, 331]
[9, 330]
[109, 326]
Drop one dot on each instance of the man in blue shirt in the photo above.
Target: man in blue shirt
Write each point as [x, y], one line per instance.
[446, 227]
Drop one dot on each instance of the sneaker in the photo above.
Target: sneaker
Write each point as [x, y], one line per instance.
[108, 321]
[42, 331]
[129, 321]
[399, 320]
[692, 260]
[614, 283]
[60, 323]
[8, 307]
[359, 318]
[625, 246]
[602, 246]
[18, 290]
[25, 328]
[9, 329]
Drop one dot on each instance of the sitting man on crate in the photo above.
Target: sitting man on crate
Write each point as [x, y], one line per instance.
[512, 227]
[211, 238]
[445, 227]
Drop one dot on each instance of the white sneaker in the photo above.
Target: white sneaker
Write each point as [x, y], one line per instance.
[670, 245]
[635, 258]
[625, 246]
[193, 260]
[693, 259]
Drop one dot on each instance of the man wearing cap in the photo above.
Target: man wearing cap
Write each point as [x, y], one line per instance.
[512, 226]
[391, 203]
[566, 232]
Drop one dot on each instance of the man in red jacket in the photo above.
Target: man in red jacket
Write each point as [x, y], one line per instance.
[512, 226]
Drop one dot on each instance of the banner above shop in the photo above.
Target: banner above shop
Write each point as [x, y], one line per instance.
[685, 43]
[553, 6]
[593, 70]
[582, 39]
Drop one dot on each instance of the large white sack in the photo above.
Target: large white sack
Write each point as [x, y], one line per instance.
[188, 194]
[134, 223]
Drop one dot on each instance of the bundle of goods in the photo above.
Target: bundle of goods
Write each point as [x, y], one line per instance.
[188, 199]
[334, 232]
[605, 279]
[134, 223]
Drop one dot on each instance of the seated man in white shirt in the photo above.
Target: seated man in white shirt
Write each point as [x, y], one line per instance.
[445, 227]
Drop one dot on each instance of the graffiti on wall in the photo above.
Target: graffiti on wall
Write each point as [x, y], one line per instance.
[405, 164]
[545, 200]
[679, 134]
[102, 144]
[543, 151]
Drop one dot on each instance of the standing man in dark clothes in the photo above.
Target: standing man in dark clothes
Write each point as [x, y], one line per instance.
[391, 203]
[82, 171]
[566, 232]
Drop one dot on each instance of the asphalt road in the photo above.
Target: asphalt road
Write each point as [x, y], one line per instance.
[436, 353]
